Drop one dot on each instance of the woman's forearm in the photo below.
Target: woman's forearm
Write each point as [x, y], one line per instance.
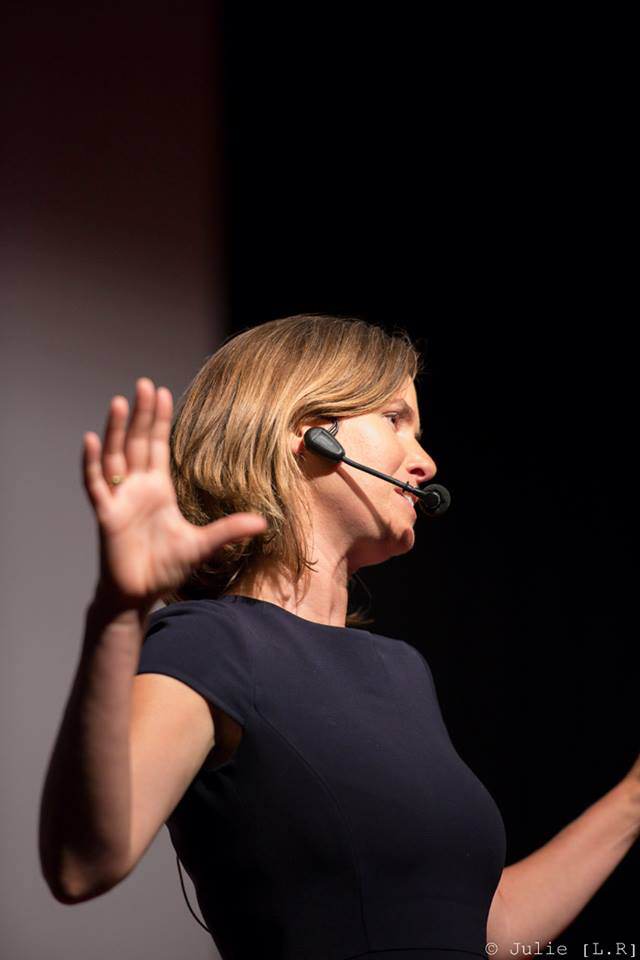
[85, 803]
[545, 892]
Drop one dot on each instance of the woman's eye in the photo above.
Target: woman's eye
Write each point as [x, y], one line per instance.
[396, 415]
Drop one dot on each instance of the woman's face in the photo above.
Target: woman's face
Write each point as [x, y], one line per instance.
[361, 514]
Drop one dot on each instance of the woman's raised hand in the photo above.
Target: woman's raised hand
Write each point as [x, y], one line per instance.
[146, 546]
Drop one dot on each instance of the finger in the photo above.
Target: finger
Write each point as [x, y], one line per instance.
[137, 440]
[93, 476]
[161, 430]
[113, 458]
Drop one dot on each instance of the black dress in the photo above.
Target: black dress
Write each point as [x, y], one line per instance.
[345, 825]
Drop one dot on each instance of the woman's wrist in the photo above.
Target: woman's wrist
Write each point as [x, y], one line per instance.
[627, 792]
[111, 607]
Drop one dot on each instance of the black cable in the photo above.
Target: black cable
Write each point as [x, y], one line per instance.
[187, 899]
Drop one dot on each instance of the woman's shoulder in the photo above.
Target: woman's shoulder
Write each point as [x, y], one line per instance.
[195, 624]
[202, 643]
[204, 608]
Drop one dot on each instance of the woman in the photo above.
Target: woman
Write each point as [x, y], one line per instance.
[301, 763]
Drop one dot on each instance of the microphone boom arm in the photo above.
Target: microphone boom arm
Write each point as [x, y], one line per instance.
[434, 496]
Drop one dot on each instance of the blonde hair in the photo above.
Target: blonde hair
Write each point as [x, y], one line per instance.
[229, 442]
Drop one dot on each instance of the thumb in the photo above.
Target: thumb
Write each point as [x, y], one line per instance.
[237, 526]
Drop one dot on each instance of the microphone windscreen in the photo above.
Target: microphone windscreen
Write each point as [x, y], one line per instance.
[435, 499]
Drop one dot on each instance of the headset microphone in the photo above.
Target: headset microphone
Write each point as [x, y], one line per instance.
[434, 496]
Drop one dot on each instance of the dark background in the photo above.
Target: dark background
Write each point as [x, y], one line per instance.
[468, 180]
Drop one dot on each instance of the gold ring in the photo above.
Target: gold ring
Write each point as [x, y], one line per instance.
[116, 479]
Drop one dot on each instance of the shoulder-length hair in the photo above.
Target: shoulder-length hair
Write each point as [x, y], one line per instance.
[229, 443]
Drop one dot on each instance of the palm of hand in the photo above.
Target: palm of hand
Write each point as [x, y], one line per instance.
[146, 546]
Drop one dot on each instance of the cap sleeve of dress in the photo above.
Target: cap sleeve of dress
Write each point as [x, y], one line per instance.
[201, 643]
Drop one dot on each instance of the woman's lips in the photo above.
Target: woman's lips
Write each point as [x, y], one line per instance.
[401, 493]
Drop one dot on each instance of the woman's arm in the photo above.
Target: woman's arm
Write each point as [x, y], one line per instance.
[147, 548]
[85, 805]
[539, 896]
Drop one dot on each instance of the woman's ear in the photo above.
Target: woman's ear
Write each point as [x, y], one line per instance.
[296, 438]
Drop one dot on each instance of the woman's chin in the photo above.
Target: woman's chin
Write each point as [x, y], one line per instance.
[409, 538]
[404, 542]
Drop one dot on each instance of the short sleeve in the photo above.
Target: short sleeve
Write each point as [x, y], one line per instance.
[201, 643]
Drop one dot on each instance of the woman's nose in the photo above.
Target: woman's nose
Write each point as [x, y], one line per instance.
[422, 467]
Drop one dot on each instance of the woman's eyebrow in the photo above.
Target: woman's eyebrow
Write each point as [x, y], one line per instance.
[409, 413]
